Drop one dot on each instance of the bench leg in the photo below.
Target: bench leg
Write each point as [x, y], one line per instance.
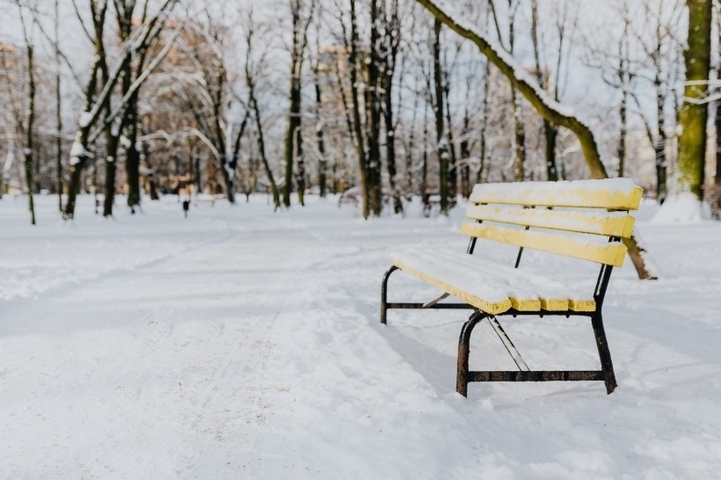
[603, 352]
[464, 348]
[384, 294]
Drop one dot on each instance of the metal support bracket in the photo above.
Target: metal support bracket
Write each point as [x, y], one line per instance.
[512, 350]
[433, 302]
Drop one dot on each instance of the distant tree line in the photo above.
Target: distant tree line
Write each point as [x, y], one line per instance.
[291, 96]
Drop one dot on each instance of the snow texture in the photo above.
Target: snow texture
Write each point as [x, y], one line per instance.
[239, 343]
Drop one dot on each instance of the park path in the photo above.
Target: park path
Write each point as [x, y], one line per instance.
[253, 350]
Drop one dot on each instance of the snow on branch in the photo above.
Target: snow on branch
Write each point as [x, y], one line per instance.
[521, 80]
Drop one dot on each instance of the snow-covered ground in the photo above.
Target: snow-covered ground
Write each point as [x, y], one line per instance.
[239, 343]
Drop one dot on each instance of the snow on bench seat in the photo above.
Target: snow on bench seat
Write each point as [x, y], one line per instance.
[489, 286]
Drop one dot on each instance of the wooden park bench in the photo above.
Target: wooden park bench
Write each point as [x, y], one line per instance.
[586, 220]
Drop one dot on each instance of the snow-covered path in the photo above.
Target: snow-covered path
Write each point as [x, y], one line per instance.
[245, 344]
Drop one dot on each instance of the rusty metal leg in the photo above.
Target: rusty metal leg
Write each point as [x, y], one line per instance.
[384, 293]
[603, 352]
[464, 348]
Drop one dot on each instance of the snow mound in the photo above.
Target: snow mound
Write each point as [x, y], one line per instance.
[683, 208]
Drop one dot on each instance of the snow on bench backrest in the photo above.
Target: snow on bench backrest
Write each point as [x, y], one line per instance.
[594, 203]
[609, 194]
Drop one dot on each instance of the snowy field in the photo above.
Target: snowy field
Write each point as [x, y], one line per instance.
[239, 343]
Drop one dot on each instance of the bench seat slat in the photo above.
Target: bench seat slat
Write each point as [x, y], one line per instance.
[490, 287]
[610, 254]
[553, 295]
[609, 194]
[493, 300]
[597, 223]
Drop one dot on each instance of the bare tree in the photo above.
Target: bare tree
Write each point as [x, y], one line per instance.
[26, 124]
[103, 80]
[301, 12]
[252, 72]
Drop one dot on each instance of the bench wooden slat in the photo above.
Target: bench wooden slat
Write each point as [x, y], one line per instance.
[610, 254]
[615, 194]
[489, 286]
[597, 223]
[495, 301]
[552, 295]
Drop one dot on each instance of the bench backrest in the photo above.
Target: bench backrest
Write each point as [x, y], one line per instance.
[549, 211]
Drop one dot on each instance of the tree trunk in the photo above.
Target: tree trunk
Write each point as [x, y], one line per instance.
[357, 125]
[694, 111]
[409, 152]
[322, 164]
[391, 42]
[441, 142]
[519, 132]
[624, 129]
[485, 112]
[519, 140]
[132, 156]
[30, 134]
[717, 123]
[452, 158]
[717, 120]
[424, 166]
[465, 155]
[549, 130]
[111, 145]
[58, 112]
[294, 119]
[373, 119]
[261, 148]
[300, 174]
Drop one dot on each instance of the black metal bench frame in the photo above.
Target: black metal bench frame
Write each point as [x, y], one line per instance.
[464, 376]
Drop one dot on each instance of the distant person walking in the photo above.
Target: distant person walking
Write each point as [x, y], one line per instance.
[186, 207]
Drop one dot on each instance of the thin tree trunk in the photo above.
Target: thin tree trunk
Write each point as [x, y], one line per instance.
[390, 144]
[30, 134]
[465, 155]
[660, 146]
[357, 128]
[112, 141]
[323, 163]
[717, 123]
[294, 118]
[261, 148]
[550, 132]
[441, 142]
[624, 128]
[717, 119]
[485, 111]
[409, 151]
[300, 174]
[373, 107]
[452, 158]
[424, 167]
[58, 112]
[235, 155]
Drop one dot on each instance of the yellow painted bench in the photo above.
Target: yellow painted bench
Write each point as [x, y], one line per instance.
[586, 220]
